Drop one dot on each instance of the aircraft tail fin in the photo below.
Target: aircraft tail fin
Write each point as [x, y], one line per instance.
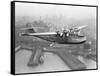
[30, 30]
[27, 31]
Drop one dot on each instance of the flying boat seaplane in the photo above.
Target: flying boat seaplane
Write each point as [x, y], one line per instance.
[70, 36]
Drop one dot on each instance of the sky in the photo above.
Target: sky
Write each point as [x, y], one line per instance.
[33, 9]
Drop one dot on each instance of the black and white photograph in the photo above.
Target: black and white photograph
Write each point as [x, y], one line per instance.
[54, 37]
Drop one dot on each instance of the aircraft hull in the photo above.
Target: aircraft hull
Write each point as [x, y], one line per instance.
[67, 40]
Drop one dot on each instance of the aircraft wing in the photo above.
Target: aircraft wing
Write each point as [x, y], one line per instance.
[39, 34]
